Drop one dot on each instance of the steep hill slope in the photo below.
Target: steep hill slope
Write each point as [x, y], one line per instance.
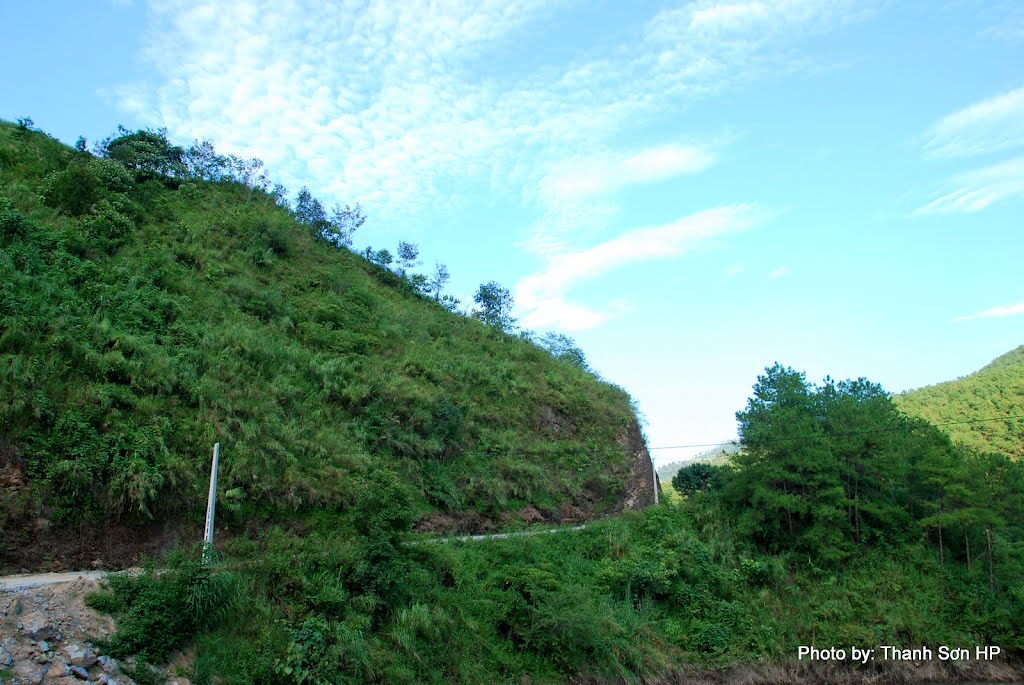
[146, 315]
[996, 390]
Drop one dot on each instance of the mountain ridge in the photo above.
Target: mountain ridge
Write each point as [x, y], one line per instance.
[970, 409]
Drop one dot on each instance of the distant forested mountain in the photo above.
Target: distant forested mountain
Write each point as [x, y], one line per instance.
[717, 456]
[959, 407]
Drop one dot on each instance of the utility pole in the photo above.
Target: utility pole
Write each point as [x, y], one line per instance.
[657, 481]
[211, 503]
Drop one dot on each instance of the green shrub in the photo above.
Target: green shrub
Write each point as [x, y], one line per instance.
[105, 600]
[162, 609]
[73, 190]
[108, 226]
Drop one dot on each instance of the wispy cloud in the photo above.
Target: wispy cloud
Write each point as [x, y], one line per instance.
[578, 177]
[577, 194]
[542, 297]
[778, 273]
[1007, 310]
[395, 104]
[752, 21]
[978, 189]
[991, 125]
[732, 271]
[1009, 24]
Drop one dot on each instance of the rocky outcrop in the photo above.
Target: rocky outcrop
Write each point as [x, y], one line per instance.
[642, 488]
[636, 471]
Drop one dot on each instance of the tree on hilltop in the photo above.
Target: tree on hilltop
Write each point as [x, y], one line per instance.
[495, 306]
[148, 153]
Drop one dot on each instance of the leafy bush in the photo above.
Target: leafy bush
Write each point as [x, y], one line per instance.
[108, 226]
[73, 190]
[160, 610]
[696, 477]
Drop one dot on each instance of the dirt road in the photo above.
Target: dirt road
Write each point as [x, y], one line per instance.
[23, 582]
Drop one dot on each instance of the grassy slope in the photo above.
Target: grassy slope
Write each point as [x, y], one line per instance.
[638, 595]
[995, 390]
[219, 318]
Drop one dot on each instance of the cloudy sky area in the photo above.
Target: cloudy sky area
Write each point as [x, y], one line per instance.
[692, 190]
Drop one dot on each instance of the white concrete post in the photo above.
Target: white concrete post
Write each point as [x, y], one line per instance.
[654, 474]
[211, 503]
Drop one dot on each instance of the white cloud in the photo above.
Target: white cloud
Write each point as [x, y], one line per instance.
[541, 297]
[1008, 22]
[558, 314]
[1008, 310]
[978, 189]
[732, 271]
[597, 175]
[753, 22]
[728, 17]
[576, 194]
[778, 273]
[991, 125]
[397, 105]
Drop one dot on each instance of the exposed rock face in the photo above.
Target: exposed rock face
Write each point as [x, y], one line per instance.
[590, 503]
[641, 490]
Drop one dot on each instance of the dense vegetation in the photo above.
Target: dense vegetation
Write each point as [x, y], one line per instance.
[842, 522]
[962, 407]
[633, 596]
[154, 300]
[834, 469]
[152, 304]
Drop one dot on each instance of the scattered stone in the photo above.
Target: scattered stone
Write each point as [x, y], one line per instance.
[57, 669]
[41, 659]
[15, 607]
[80, 655]
[43, 645]
[108, 664]
[5, 656]
[79, 672]
[37, 626]
[29, 672]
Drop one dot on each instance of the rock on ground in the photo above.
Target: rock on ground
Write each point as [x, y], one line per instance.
[47, 634]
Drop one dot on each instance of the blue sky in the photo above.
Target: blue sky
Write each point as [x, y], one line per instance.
[692, 190]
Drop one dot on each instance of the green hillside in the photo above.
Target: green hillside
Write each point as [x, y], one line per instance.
[148, 313]
[997, 390]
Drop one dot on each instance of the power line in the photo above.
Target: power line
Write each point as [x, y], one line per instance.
[571, 450]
